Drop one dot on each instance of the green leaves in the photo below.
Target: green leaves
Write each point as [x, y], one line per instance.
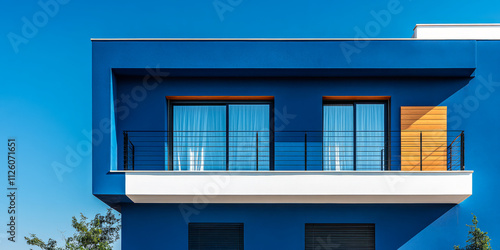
[477, 240]
[35, 241]
[96, 234]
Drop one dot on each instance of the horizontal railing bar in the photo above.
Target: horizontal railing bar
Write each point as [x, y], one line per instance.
[279, 136]
[359, 141]
[202, 151]
[265, 158]
[222, 160]
[291, 131]
[325, 151]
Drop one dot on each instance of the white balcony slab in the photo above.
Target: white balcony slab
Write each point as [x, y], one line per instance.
[329, 187]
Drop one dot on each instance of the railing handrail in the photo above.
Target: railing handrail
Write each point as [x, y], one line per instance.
[291, 131]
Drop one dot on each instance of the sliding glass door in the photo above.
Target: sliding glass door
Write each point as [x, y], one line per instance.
[199, 137]
[354, 136]
[249, 137]
[338, 139]
[220, 136]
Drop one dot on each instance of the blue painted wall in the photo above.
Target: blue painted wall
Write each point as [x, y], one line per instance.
[164, 226]
[472, 105]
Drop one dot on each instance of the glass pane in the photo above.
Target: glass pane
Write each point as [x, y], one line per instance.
[370, 136]
[199, 138]
[248, 137]
[338, 142]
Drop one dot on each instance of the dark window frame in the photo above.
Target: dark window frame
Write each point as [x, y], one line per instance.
[215, 226]
[226, 103]
[387, 125]
[311, 230]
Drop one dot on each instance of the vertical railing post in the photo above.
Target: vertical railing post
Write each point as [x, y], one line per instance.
[133, 156]
[322, 151]
[170, 149]
[389, 151]
[305, 150]
[228, 150]
[125, 150]
[270, 135]
[421, 162]
[382, 160]
[462, 152]
[450, 165]
[257, 150]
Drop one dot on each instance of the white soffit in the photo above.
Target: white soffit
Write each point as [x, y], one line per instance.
[450, 187]
[457, 31]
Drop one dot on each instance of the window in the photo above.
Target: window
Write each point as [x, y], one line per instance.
[340, 236]
[209, 236]
[220, 136]
[354, 135]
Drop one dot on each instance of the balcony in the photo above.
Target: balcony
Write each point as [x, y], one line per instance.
[296, 167]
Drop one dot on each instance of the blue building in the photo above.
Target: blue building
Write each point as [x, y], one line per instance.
[299, 143]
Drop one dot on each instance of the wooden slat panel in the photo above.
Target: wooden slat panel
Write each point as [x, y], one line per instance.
[423, 127]
[434, 150]
[417, 168]
[428, 108]
[427, 160]
[426, 144]
[416, 117]
[416, 152]
[409, 133]
[424, 112]
[423, 122]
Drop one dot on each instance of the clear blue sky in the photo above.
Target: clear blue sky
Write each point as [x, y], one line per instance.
[45, 99]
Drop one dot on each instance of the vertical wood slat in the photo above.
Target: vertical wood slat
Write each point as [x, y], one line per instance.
[415, 119]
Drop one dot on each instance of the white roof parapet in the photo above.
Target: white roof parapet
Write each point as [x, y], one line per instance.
[487, 31]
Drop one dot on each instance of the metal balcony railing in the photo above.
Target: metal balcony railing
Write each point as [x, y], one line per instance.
[294, 150]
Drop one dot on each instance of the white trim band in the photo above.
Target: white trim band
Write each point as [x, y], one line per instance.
[299, 187]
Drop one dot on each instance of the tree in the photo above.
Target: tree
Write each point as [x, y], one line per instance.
[97, 234]
[478, 240]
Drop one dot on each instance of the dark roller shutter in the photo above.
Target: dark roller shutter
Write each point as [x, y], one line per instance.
[340, 236]
[215, 236]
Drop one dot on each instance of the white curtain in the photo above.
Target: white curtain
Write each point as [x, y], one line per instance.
[247, 124]
[199, 141]
[370, 137]
[338, 137]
